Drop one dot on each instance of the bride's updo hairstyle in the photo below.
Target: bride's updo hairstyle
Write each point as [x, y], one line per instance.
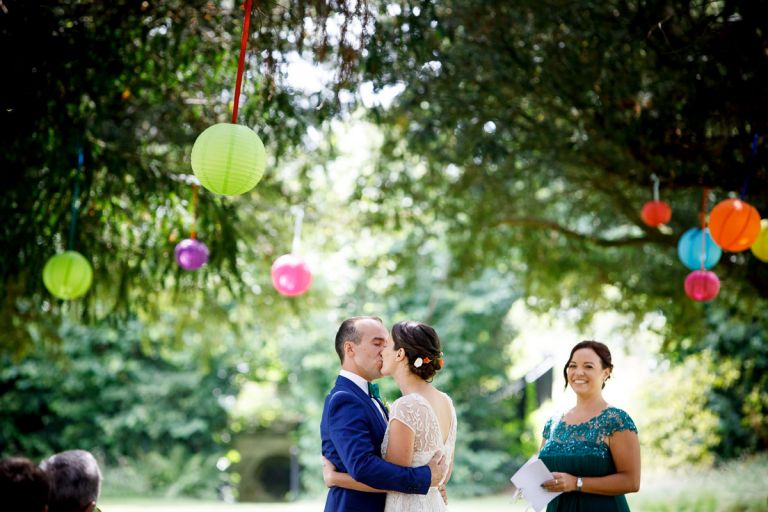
[421, 345]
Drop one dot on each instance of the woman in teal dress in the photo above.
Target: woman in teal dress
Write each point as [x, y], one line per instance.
[592, 450]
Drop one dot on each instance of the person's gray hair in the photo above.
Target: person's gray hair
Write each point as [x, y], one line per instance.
[75, 480]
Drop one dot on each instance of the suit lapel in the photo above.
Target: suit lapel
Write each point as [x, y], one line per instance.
[383, 407]
[348, 385]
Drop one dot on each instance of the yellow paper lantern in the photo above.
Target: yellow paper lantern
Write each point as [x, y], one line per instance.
[68, 275]
[760, 247]
[228, 159]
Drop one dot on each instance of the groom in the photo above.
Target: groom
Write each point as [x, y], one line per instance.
[354, 421]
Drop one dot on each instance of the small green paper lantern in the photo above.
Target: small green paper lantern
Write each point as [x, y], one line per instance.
[228, 159]
[68, 275]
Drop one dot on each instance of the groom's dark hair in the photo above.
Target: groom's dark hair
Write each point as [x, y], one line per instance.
[347, 332]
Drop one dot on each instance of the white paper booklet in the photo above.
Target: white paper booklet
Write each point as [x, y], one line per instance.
[529, 478]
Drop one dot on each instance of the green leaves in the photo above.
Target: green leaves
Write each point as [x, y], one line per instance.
[103, 387]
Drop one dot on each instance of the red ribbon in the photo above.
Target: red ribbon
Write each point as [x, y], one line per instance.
[241, 61]
[703, 213]
[193, 235]
[703, 218]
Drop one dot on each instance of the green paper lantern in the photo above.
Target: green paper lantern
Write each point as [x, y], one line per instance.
[228, 159]
[68, 275]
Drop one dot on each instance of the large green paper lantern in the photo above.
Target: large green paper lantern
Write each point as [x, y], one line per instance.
[228, 159]
[68, 275]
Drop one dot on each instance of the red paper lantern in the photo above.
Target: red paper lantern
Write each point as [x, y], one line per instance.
[655, 213]
[734, 225]
[291, 275]
[702, 285]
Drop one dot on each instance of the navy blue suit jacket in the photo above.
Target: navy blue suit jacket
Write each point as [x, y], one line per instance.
[352, 430]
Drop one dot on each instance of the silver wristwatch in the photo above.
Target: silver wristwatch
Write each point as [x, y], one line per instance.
[579, 483]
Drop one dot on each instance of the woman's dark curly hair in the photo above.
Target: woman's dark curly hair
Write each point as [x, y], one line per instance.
[419, 341]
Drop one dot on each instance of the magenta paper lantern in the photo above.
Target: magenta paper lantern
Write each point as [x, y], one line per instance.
[291, 275]
[702, 285]
[191, 254]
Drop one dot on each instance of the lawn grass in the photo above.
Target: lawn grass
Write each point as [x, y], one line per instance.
[739, 486]
[485, 504]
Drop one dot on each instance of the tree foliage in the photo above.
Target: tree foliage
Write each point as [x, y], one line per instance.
[539, 125]
[124, 393]
[131, 84]
[531, 132]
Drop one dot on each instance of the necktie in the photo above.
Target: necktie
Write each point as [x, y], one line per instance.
[373, 390]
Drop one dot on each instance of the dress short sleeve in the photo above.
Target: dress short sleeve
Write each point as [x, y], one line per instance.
[547, 428]
[618, 421]
[412, 412]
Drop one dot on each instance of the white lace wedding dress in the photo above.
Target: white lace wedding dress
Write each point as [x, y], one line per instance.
[416, 412]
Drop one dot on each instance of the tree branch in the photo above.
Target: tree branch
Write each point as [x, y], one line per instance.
[535, 223]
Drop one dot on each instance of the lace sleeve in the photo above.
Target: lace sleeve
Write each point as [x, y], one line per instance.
[547, 427]
[412, 413]
[619, 421]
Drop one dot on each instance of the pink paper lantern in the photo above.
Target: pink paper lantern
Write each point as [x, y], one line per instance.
[702, 285]
[191, 254]
[291, 275]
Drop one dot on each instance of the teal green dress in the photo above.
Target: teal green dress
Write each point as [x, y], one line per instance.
[581, 450]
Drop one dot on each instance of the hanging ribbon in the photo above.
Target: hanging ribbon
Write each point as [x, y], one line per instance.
[703, 219]
[703, 212]
[241, 60]
[655, 187]
[75, 206]
[750, 165]
[193, 234]
[295, 245]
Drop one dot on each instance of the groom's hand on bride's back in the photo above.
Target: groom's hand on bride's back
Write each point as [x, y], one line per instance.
[437, 467]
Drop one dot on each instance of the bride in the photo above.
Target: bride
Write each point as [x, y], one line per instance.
[421, 422]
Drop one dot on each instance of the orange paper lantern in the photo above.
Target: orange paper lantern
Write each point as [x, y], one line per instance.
[655, 213]
[734, 225]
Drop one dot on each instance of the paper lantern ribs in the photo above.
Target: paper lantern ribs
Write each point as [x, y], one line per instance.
[734, 225]
[68, 275]
[228, 159]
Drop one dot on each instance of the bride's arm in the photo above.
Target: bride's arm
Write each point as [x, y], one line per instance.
[400, 446]
[335, 478]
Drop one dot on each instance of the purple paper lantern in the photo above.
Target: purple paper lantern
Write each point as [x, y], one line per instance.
[291, 275]
[191, 254]
[702, 285]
